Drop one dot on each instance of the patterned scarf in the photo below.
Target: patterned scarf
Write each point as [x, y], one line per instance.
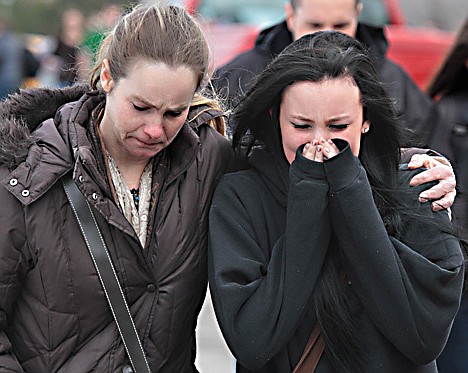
[137, 216]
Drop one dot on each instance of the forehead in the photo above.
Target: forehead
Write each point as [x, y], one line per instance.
[329, 8]
[326, 97]
[156, 81]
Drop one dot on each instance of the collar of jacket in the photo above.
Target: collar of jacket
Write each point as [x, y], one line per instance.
[274, 39]
[374, 38]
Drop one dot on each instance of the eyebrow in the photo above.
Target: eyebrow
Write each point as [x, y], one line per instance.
[301, 117]
[180, 107]
[332, 119]
[339, 117]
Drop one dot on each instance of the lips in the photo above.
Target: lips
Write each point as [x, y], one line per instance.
[147, 144]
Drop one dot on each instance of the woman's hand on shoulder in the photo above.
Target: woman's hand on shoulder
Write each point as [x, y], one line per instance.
[439, 169]
[318, 150]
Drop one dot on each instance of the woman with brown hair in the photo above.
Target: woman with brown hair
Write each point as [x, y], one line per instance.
[140, 149]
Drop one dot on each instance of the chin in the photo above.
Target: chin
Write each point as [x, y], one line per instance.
[142, 154]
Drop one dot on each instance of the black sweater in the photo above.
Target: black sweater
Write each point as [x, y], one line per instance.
[270, 230]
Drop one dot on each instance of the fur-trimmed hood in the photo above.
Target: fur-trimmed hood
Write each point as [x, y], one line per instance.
[23, 112]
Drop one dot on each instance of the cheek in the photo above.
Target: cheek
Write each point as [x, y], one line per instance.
[292, 140]
[173, 128]
[127, 117]
[305, 30]
[355, 146]
[354, 140]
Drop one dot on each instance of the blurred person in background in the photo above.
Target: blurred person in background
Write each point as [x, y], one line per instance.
[415, 108]
[97, 26]
[140, 146]
[450, 137]
[68, 43]
[11, 60]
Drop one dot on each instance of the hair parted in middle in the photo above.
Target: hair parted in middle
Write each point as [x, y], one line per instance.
[156, 33]
[317, 57]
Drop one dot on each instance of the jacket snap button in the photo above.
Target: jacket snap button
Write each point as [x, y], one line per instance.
[13, 182]
[25, 193]
[151, 288]
[95, 196]
[80, 179]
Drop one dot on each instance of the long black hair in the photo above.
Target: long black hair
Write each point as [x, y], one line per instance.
[317, 57]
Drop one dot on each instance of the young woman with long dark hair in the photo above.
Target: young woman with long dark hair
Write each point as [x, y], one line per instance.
[323, 231]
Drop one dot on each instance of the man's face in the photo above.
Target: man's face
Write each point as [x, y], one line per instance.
[319, 15]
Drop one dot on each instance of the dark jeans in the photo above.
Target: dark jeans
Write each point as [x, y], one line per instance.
[454, 358]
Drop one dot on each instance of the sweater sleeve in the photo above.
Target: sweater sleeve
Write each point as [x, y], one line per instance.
[409, 287]
[261, 289]
[13, 268]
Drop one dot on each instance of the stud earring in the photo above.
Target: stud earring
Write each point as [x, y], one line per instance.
[365, 130]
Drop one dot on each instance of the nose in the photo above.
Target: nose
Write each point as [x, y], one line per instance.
[321, 132]
[154, 128]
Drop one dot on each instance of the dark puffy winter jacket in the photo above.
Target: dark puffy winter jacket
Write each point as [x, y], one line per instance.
[54, 316]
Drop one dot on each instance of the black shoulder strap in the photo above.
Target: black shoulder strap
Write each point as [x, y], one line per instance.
[107, 275]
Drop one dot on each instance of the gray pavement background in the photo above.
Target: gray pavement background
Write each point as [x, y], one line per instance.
[213, 355]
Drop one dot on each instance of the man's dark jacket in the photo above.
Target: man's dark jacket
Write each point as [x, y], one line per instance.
[414, 107]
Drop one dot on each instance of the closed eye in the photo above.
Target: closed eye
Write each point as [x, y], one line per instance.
[340, 26]
[301, 125]
[139, 108]
[338, 127]
[315, 25]
[174, 114]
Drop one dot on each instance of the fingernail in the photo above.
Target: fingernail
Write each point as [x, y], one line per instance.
[319, 149]
[306, 146]
[327, 149]
[314, 142]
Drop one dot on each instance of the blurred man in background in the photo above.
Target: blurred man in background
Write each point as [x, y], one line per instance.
[68, 43]
[414, 108]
